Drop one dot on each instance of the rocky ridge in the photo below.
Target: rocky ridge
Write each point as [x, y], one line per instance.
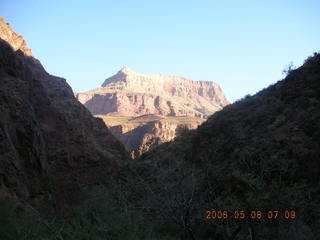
[132, 94]
[51, 148]
[167, 101]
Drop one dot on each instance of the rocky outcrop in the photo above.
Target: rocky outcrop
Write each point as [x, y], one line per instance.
[16, 41]
[141, 134]
[132, 94]
[51, 148]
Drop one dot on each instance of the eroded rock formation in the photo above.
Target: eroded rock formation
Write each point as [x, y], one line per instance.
[16, 41]
[131, 94]
[128, 94]
[51, 148]
[141, 134]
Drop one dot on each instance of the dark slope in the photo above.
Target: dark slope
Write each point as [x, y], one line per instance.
[51, 148]
[260, 153]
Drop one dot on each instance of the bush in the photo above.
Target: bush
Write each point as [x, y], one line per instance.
[288, 69]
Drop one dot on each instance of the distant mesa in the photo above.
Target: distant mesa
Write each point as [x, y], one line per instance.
[143, 111]
[133, 94]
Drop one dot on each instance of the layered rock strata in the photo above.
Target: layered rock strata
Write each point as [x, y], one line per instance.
[131, 94]
[143, 133]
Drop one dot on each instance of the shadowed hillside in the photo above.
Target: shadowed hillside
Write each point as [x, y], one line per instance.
[251, 171]
[258, 154]
[51, 148]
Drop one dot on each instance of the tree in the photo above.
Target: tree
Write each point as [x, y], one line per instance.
[289, 68]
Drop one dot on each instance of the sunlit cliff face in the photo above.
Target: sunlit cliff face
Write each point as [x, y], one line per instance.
[133, 94]
[16, 41]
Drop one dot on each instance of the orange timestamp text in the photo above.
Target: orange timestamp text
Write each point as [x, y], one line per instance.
[253, 214]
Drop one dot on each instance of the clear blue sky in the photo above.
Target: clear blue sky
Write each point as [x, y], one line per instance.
[242, 45]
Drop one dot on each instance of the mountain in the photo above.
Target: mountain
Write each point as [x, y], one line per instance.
[51, 148]
[250, 171]
[257, 161]
[132, 94]
[152, 107]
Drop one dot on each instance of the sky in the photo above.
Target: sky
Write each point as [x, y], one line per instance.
[242, 45]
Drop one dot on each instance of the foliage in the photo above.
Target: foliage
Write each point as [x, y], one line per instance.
[288, 69]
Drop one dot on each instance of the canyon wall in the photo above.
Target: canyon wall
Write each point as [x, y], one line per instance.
[128, 95]
[51, 148]
[133, 94]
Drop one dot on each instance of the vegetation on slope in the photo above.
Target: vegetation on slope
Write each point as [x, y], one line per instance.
[261, 153]
[257, 159]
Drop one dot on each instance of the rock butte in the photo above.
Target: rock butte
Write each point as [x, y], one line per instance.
[143, 111]
[132, 94]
